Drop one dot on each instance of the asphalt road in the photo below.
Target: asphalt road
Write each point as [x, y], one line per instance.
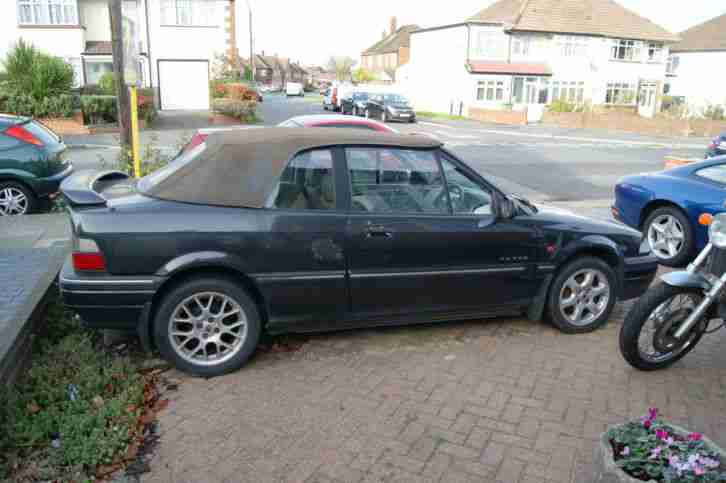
[539, 162]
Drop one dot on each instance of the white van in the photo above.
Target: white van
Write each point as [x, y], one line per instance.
[294, 89]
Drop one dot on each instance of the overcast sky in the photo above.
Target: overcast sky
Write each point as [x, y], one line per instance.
[310, 32]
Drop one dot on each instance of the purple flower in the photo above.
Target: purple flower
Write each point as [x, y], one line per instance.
[669, 441]
[693, 459]
[661, 434]
[708, 462]
[647, 424]
[673, 461]
[655, 452]
[625, 451]
[698, 471]
[652, 413]
[695, 437]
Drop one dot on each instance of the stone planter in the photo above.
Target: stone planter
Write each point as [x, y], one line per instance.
[607, 471]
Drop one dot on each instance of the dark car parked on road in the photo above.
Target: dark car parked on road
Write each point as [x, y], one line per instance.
[355, 104]
[33, 162]
[312, 229]
[389, 107]
[717, 147]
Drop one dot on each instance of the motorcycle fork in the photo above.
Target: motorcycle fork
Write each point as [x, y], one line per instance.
[710, 296]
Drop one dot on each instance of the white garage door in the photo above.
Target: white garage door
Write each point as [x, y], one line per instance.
[184, 84]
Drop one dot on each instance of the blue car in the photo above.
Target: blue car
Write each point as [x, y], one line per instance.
[717, 147]
[666, 205]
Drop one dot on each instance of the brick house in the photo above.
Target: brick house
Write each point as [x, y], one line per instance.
[276, 71]
[701, 50]
[389, 53]
[179, 40]
[525, 54]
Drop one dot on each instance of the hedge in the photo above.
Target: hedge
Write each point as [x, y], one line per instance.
[245, 111]
[98, 109]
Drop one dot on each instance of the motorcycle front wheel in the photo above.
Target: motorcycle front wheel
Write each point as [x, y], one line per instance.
[646, 336]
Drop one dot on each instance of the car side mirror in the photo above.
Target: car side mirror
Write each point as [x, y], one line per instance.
[505, 208]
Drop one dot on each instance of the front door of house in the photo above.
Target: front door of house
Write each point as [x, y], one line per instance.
[647, 94]
[530, 94]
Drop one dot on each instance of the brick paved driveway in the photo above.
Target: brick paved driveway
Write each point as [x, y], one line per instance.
[504, 400]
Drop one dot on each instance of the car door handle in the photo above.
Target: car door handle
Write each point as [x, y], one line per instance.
[378, 231]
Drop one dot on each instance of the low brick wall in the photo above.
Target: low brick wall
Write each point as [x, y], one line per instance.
[217, 119]
[497, 116]
[67, 126]
[623, 120]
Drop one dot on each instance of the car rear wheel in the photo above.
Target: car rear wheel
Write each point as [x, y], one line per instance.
[669, 236]
[16, 199]
[207, 326]
[582, 296]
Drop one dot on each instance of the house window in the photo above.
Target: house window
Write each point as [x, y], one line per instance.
[47, 12]
[488, 44]
[521, 45]
[572, 45]
[490, 90]
[568, 91]
[621, 93]
[625, 50]
[196, 13]
[655, 52]
[95, 69]
[672, 65]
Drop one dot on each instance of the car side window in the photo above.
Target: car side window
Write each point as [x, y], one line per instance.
[714, 173]
[385, 180]
[307, 183]
[468, 196]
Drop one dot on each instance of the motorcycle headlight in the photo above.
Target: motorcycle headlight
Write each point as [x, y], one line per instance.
[717, 231]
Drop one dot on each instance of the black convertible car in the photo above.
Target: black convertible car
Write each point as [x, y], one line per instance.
[297, 230]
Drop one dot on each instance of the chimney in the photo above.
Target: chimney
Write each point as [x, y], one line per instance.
[394, 25]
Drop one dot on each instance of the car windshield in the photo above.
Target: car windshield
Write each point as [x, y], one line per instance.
[395, 98]
[360, 96]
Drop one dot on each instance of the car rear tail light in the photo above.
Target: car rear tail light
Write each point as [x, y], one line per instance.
[22, 134]
[87, 256]
[197, 139]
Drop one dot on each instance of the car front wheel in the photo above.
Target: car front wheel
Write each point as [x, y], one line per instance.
[669, 236]
[582, 296]
[207, 326]
[16, 199]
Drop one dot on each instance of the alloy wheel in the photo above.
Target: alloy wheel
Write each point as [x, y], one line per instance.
[584, 297]
[13, 202]
[207, 328]
[666, 237]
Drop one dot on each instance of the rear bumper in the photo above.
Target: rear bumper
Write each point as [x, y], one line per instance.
[47, 186]
[106, 301]
[638, 274]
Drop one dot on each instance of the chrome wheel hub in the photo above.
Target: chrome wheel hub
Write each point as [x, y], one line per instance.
[584, 297]
[207, 328]
[13, 202]
[656, 342]
[666, 236]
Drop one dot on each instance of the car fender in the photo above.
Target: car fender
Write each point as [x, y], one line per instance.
[596, 244]
[203, 259]
[685, 279]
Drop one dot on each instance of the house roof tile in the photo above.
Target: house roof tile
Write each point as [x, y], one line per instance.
[604, 18]
[392, 42]
[708, 36]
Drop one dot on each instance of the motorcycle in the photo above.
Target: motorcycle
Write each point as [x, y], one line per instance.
[717, 147]
[671, 317]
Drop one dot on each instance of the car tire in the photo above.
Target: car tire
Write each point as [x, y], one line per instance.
[24, 200]
[681, 225]
[570, 284]
[242, 346]
[355, 112]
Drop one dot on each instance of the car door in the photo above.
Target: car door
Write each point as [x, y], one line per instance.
[409, 253]
[303, 248]
[374, 105]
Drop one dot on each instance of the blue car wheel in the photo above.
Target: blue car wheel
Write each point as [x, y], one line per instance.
[670, 236]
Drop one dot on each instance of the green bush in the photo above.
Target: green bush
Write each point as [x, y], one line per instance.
[99, 109]
[715, 112]
[107, 84]
[559, 105]
[32, 72]
[245, 111]
[25, 105]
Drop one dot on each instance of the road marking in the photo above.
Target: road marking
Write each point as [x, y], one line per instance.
[457, 136]
[593, 140]
[425, 123]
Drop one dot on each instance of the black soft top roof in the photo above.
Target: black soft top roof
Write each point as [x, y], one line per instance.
[241, 168]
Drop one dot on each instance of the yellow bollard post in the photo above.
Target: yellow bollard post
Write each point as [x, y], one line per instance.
[135, 133]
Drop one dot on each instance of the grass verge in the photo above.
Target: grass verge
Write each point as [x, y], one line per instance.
[79, 412]
[440, 115]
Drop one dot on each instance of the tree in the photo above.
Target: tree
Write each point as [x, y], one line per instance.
[362, 76]
[342, 66]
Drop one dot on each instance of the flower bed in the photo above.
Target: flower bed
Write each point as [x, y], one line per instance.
[652, 450]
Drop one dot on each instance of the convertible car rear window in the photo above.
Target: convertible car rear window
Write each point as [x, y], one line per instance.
[184, 158]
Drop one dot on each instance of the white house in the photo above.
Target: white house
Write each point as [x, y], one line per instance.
[527, 53]
[179, 40]
[694, 60]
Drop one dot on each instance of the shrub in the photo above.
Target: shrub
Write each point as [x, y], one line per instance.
[25, 105]
[35, 73]
[217, 89]
[715, 112]
[240, 92]
[559, 105]
[107, 84]
[99, 109]
[245, 111]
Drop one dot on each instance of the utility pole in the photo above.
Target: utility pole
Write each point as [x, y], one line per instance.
[252, 47]
[123, 100]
